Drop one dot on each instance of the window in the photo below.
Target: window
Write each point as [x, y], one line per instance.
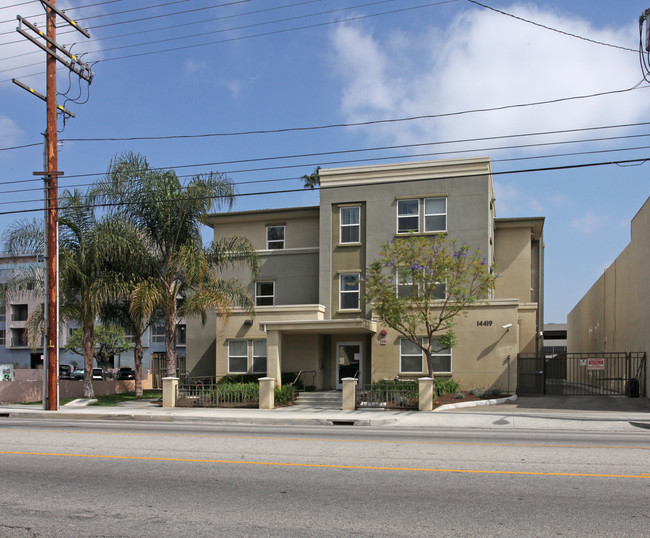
[237, 356]
[275, 237]
[435, 214]
[181, 335]
[440, 290]
[3, 313]
[408, 216]
[259, 356]
[441, 358]
[18, 338]
[405, 285]
[264, 293]
[349, 291]
[410, 357]
[19, 312]
[158, 333]
[3, 337]
[350, 224]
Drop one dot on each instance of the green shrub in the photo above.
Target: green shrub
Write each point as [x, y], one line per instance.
[283, 395]
[447, 386]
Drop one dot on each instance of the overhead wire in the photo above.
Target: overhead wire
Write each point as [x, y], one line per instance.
[641, 160]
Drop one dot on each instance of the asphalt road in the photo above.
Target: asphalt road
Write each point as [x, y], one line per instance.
[83, 478]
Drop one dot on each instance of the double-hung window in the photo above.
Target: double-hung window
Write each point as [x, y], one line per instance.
[349, 291]
[405, 283]
[408, 216]
[350, 218]
[237, 356]
[412, 358]
[432, 212]
[239, 353]
[158, 333]
[264, 293]
[274, 237]
[259, 356]
[435, 214]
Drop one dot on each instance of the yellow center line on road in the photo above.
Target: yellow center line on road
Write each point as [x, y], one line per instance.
[323, 440]
[325, 465]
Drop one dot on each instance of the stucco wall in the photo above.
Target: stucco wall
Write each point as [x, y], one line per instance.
[613, 315]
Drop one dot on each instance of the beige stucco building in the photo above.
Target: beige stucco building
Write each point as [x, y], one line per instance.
[614, 313]
[310, 312]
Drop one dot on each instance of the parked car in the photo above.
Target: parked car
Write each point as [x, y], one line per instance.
[98, 374]
[78, 373]
[125, 373]
[65, 371]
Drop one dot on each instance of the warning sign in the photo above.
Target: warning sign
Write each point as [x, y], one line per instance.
[595, 364]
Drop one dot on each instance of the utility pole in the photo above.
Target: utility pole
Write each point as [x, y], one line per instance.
[51, 176]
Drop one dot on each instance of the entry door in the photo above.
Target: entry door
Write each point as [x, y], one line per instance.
[349, 358]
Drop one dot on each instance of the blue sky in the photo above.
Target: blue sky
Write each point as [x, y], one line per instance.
[267, 65]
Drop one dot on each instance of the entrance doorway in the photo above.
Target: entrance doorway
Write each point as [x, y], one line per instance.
[349, 359]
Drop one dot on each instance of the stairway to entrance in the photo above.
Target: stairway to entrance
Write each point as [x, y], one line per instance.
[329, 399]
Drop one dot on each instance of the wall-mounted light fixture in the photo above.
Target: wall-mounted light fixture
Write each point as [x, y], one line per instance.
[248, 322]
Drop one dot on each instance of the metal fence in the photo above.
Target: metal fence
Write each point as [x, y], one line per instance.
[388, 396]
[195, 392]
[582, 374]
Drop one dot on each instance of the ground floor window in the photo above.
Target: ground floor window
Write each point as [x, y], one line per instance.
[413, 359]
[242, 353]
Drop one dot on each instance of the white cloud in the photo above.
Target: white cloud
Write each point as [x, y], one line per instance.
[482, 60]
[9, 132]
[589, 222]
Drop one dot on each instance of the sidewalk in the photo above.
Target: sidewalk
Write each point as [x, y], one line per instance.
[544, 413]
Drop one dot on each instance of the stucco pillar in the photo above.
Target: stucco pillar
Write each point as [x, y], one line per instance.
[273, 353]
[349, 393]
[425, 387]
[267, 392]
[170, 391]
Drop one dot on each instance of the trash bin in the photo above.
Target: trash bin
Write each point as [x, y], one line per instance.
[632, 389]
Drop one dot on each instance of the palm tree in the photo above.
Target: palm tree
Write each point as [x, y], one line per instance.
[311, 181]
[85, 283]
[178, 275]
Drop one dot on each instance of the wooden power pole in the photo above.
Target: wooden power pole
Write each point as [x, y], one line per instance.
[51, 175]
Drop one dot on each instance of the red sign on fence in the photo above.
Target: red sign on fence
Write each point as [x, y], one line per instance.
[596, 364]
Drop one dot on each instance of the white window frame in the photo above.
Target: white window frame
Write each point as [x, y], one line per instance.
[356, 225]
[260, 296]
[157, 333]
[409, 215]
[424, 209]
[402, 355]
[343, 292]
[404, 280]
[232, 356]
[256, 355]
[281, 242]
[424, 366]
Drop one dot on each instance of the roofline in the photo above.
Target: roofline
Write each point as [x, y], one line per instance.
[256, 214]
[536, 224]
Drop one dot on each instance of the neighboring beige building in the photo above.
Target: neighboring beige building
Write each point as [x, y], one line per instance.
[310, 313]
[614, 314]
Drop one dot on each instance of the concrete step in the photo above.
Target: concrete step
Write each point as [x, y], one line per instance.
[329, 399]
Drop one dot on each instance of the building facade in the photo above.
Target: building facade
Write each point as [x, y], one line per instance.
[613, 315]
[310, 314]
[18, 306]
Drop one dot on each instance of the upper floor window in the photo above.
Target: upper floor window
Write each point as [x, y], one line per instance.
[349, 291]
[435, 214]
[432, 211]
[158, 333]
[3, 337]
[408, 216]
[274, 237]
[3, 312]
[264, 293]
[350, 224]
[19, 312]
[406, 287]
[181, 334]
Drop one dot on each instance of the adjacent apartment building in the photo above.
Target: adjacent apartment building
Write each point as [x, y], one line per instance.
[310, 314]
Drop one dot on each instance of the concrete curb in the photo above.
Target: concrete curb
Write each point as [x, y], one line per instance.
[476, 403]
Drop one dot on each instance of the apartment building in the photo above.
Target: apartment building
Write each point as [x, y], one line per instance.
[310, 314]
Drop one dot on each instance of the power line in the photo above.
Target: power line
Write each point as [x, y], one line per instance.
[550, 27]
[288, 191]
